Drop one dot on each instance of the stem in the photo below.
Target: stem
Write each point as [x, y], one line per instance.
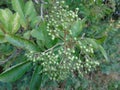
[41, 7]
[83, 35]
[41, 10]
[53, 47]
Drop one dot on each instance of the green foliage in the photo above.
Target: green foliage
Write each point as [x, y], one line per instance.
[26, 11]
[9, 22]
[114, 85]
[62, 45]
[77, 28]
[36, 79]
[15, 72]
[62, 59]
[98, 47]
[20, 42]
[18, 5]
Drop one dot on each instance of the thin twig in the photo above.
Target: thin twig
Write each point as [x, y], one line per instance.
[83, 35]
[41, 10]
[41, 7]
[36, 1]
[53, 47]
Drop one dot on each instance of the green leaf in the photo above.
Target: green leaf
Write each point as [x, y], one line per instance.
[5, 16]
[103, 52]
[35, 21]
[21, 42]
[36, 79]
[98, 47]
[18, 6]
[26, 35]
[15, 72]
[31, 14]
[47, 41]
[77, 28]
[41, 44]
[10, 22]
[93, 42]
[15, 23]
[30, 11]
[101, 39]
[38, 34]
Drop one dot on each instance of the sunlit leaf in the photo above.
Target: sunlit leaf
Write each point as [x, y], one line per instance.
[18, 6]
[15, 23]
[5, 16]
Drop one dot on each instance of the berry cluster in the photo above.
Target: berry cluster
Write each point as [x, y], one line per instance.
[59, 64]
[60, 20]
[73, 55]
[85, 47]
[90, 65]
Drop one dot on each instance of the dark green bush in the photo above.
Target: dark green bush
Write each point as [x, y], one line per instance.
[69, 44]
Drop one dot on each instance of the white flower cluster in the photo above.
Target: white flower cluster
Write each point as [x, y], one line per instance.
[89, 65]
[86, 48]
[58, 65]
[60, 19]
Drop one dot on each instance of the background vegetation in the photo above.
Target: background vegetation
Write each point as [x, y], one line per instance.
[34, 32]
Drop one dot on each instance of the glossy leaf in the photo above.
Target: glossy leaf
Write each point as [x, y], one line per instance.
[18, 6]
[36, 79]
[15, 72]
[21, 42]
